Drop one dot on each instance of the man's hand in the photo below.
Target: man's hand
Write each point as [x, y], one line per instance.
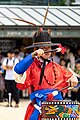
[73, 81]
[38, 53]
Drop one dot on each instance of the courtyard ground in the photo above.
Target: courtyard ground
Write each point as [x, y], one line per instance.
[11, 113]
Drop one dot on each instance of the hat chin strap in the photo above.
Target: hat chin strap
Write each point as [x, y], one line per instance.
[42, 43]
[43, 68]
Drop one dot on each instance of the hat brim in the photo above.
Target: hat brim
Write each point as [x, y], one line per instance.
[40, 45]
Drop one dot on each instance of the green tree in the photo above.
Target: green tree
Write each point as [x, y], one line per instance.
[62, 2]
[71, 1]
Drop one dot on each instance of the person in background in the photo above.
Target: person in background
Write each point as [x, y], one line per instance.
[1, 56]
[10, 84]
[77, 56]
[56, 58]
[70, 59]
[22, 52]
[16, 53]
[42, 76]
[63, 62]
[2, 84]
[75, 93]
[19, 52]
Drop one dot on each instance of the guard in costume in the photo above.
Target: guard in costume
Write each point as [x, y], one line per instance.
[41, 75]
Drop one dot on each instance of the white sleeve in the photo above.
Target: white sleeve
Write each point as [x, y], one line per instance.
[16, 61]
[4, 62]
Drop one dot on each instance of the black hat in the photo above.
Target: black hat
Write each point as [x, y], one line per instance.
[41, 38]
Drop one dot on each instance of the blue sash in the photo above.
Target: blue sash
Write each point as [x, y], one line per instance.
[40, 96]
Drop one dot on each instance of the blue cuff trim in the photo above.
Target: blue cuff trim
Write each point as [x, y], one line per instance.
[23, 65]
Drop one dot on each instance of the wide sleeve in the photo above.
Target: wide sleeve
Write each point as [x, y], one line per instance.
[26, 80]
[66, 73]
[23, 65]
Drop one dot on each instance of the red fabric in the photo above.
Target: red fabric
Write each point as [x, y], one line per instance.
[39, 118]
[29, 111]
[33, 77]
[21, 86]
[63, 49]
[50, 97]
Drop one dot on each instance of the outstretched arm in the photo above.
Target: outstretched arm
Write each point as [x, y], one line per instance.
[23, 65]
[73, 81]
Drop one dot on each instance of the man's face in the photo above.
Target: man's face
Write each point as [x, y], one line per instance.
[46, 55]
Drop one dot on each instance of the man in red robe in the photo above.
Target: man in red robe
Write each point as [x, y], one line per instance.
[43, 77]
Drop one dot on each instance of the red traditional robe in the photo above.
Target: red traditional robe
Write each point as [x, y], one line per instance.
[33, 78]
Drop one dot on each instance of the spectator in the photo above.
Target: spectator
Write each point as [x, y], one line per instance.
[56, 58]
[10, 83]
[68, 94]
[17, 51]
[77, 56]
[21, 54]
[2, 85]
[70, 59]
[75, 94]
[1, 56]
[63, 63]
